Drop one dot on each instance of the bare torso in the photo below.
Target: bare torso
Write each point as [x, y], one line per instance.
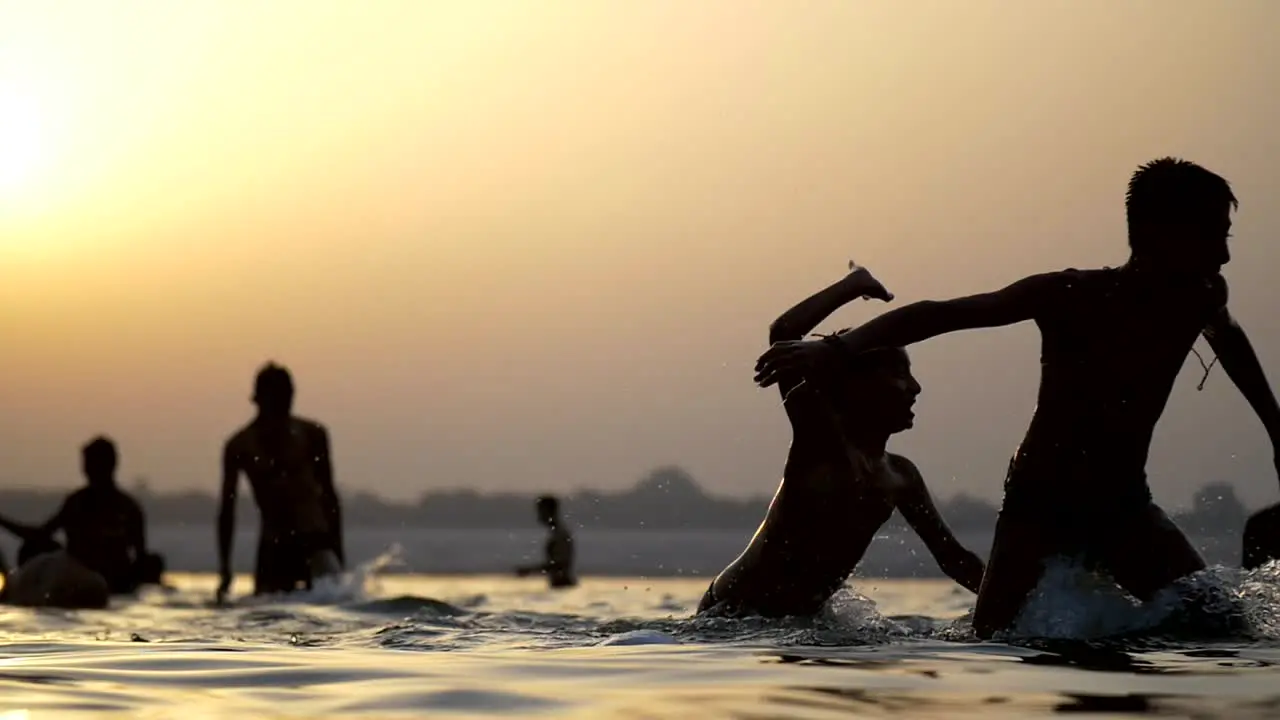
[1112, 348]
[101, 525]
[820, 523]
[281, 467]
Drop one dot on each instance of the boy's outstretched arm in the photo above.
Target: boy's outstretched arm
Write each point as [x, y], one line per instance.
[804, 316]
[913, 501]
[1240, 362]
[910, 324]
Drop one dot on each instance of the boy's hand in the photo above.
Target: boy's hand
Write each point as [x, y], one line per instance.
[861, 282]
[794, 360]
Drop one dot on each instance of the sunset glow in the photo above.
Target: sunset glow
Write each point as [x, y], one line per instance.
[515, 245]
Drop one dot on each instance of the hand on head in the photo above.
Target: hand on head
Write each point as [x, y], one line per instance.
[793, 360]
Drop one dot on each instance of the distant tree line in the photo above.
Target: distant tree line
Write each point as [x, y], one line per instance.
[667, 498]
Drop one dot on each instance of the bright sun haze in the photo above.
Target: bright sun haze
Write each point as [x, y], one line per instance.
[537, 246]
[20, 139]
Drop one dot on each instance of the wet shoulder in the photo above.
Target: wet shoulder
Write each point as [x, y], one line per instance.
[902, 464]
[239, 441]
[130, 503]
[903, 472]
[1087, 281]
[1074, 293]
[310, 429]
[76, 502]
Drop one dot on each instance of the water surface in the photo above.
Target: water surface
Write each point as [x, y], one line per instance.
[491, 646]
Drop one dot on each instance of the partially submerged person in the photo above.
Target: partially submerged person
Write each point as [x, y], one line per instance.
[840, 484]
[1113, 342]
[104, 527]
[287, 461]
[558, 562]
[47, 575]
[53, 578]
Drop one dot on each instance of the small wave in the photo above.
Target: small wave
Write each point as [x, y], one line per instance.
[403, 605]
[1217, 603]
[355, 585]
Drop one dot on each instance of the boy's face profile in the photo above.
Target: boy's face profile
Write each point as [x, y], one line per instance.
[883, 395]
[1194, 243]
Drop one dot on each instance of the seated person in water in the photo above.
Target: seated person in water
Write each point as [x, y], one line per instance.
[558, 566]
[1112, 344]
[840, 485]
[48, 576]
[105, 528]
[287, 461]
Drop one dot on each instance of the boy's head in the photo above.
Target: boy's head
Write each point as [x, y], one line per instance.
[1179, 217]
[876, 391]
[98, 460]
[548, 510]
[273, 390]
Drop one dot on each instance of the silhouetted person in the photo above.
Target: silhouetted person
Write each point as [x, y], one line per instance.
[48, 576]
[1113, 342]
[287, 461]
[840, 485]
[105, 528]
[558, 565]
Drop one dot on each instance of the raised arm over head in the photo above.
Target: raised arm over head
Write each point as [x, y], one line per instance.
[1023, 300]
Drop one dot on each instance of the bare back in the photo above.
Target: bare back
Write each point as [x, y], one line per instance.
[821, 521]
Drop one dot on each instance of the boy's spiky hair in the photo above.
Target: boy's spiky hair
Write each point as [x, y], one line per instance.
[1171, 186]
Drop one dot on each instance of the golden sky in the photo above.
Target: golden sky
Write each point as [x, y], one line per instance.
[537, 245]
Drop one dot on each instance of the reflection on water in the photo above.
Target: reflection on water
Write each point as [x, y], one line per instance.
[486, 646]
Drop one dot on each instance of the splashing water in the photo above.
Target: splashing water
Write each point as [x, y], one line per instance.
[369, 643]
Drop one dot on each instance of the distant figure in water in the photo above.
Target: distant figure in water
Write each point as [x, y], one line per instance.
[287, 461]
[558, 566]
[1112, 343]
[840, 484]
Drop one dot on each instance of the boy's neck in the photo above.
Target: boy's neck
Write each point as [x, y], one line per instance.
[871, 444]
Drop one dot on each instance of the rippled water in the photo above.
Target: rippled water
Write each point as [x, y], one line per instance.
[497, 646]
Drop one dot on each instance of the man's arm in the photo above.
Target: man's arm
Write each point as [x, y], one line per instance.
[1240, 362]
[1023, 300]
[138, 533]
[227, 507]
[53, 524]
[324, 476]
[801, 319]
[913, 501]
[20, 530]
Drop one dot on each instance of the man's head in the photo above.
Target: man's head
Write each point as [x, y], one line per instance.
[98, 460]
[548, 510]
[876, 392]
[1179, 217]
[273, 391]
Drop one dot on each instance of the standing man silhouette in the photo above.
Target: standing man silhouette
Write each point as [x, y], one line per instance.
[286, 459]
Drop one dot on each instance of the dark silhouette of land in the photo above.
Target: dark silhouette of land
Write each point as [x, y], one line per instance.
[667, 498]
